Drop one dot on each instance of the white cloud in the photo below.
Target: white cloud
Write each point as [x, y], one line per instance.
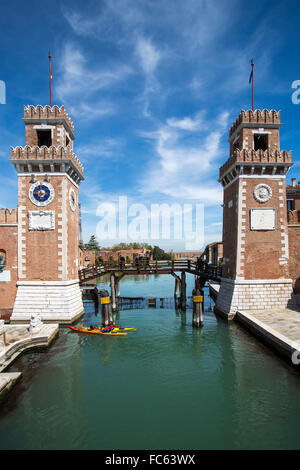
[186, 123]
[149, 56]
[95, 110]
[78, 77]
[101, 149]
[186, 169]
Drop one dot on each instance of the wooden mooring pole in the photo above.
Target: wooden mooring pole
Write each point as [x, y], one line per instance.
[105, 307]
[176, 287]
[197, 307]
[183, 291]
[96, 299]
[113, 291]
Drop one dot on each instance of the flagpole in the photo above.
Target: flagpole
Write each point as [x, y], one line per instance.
[50, 78]
[252, 65]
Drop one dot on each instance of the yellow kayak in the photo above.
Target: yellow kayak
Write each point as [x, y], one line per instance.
[95, 331]
[118, 328]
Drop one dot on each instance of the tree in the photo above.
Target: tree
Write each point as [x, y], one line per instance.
[160, 254]
[92, 244]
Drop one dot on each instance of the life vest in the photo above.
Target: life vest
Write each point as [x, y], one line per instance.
[107, 329]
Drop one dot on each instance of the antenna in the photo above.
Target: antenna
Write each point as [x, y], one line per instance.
[50, 77]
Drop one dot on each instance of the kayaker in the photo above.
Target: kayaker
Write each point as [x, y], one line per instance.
[106, 329]
[113, 325]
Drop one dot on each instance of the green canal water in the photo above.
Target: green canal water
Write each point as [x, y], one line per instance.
[165, 386]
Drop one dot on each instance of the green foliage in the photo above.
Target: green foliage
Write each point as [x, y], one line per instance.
[92, 244]
[131, 246]
[159, 254]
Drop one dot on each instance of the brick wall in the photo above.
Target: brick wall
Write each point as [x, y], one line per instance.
[8, 278]
[8, 216]
[265, 250]
[49, 255]
[294, 250]
[230, 229]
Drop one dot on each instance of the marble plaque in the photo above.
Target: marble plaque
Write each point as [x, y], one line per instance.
[41, 220]
[5, 276]
[262, 219]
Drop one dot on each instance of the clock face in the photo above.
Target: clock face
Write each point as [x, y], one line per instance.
[41, 193]
[72, 199]
[262, 193]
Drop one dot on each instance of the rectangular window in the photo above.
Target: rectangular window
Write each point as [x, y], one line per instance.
[290, 203]
[260, 142]
[44, 138]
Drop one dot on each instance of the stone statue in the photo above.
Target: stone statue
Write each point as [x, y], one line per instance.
[35, 323]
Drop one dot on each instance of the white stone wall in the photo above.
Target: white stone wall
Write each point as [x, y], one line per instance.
[54, 301]
[253, 295]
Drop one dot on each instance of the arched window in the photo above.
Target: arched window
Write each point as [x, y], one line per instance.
[2, 260]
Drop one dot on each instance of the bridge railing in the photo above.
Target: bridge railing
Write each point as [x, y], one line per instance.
[211, 272]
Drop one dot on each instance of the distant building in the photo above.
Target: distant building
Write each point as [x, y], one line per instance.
[213, 253]
[293, 220]
[293, 197]
[111, 255]
[193, 255]
[86, 258]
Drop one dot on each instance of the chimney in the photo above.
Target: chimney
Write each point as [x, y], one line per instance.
[293, 182]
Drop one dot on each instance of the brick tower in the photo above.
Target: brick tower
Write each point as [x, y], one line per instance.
[255, 233]
[49, 175]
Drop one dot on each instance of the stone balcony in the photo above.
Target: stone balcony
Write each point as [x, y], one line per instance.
[47, 159]
[257, 162]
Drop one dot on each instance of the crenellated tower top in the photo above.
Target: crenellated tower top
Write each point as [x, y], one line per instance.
[55, 114]
[49, 137]
[255, 118]
[255, 146]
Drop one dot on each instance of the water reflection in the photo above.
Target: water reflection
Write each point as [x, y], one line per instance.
[166, 386]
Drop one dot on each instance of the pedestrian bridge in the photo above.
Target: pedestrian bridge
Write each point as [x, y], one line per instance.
[207, 272]
[177, 268]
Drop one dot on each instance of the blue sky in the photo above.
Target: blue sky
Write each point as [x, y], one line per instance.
[152, 87]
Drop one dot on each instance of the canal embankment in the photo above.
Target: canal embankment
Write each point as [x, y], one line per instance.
[279, 329]
[15, 340]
